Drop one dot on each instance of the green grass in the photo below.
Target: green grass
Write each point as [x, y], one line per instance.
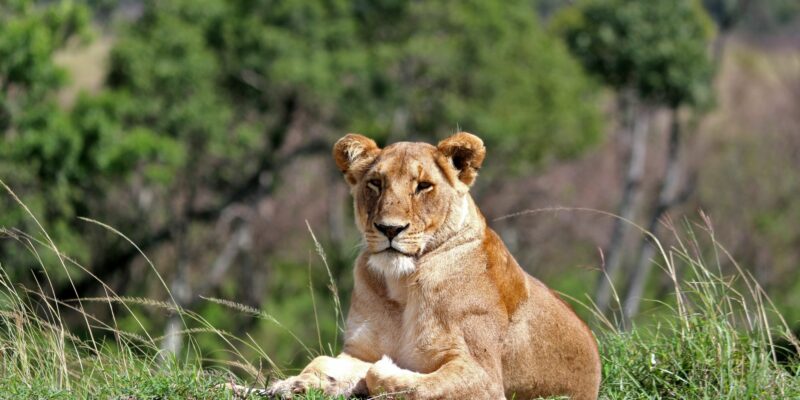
[714, 339]
[709, 340]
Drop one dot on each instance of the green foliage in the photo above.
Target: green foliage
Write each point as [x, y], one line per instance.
[42, 153]
[658, 50]
[483, 66]
[490, 68]
[165, 73]
[29, 34]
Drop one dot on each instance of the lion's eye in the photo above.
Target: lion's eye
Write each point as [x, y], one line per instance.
[422, 186]
[374, 184]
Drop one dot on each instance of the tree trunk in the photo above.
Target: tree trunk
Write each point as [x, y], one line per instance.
[635, 124]
[181, 293]
[718, 48]
[240, 240]
[667, 197]
[180, 287]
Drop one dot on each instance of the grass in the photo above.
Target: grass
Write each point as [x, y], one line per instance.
[713, 338]
[717, 338]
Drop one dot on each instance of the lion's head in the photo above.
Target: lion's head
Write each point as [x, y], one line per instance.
[409, 197]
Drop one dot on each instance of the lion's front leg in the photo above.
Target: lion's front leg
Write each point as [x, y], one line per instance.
[340, 376]
[387, 379]
[458, 378]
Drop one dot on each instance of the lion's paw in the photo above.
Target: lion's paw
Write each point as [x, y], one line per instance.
[289, 387]
[392, 381]
[303, 383]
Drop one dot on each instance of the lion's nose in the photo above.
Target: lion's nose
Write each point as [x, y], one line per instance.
[390, 230]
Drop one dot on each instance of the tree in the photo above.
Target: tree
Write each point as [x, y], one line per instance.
[340, 67]
[206, 102]
[490, 68]
[652, 54]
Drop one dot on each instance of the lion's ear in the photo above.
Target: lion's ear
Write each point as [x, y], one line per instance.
[466, 152]
[353, 154]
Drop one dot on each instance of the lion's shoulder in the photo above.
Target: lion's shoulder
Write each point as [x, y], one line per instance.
[502, 269]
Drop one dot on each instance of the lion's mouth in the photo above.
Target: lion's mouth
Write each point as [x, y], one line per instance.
[394, 250]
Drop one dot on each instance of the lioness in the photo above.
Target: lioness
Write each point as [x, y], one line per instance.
[440, 309]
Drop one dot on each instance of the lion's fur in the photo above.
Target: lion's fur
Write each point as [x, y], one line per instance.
[450, 314]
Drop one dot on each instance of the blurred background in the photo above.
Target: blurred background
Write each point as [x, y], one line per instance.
[201, 131]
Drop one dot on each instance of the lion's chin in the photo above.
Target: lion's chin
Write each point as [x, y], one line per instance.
[391, 263]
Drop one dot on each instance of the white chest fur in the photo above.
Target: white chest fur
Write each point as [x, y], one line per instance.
[391, 264]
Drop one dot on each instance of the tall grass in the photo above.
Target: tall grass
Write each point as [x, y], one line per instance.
[41, 357]
[713, 338]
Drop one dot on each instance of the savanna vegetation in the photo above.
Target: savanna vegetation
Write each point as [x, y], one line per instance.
[171, 220]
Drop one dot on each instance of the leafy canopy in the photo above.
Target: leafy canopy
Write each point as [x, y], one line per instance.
[657, 49]
[203, 98]
[42, 154]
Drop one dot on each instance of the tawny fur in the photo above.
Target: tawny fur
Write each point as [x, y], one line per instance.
[449, 313]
